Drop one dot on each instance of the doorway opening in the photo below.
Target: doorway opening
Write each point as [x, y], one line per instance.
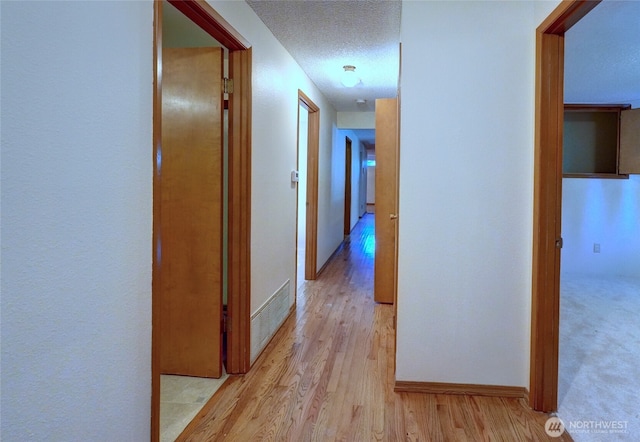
[236, 179]
[545, 306]
[311, 203]
[347, 186]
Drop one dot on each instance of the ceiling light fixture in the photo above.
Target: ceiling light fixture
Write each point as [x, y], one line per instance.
[349, 78]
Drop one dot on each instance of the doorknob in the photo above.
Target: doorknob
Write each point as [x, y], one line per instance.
[393, 216]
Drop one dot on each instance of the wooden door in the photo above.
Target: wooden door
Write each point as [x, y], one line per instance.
[191, 212]
[629, 141]
[386, 216]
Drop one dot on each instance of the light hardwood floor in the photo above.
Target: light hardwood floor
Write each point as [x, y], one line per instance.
[328, 375]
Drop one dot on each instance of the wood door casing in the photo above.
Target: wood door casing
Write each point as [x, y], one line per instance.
[313, 151]
[191, 212]
[385, 264]
[347, 186]
[239, 216]
[547, 201]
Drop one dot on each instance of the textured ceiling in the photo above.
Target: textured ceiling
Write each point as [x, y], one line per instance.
[323, 36]
[602, 55]
[602, 51]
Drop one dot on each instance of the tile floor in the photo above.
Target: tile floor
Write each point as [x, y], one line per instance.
[181, 398]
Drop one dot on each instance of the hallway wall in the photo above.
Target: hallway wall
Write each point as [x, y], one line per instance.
[76, 226]
[77, 91]
[275, 83]
[466, 191]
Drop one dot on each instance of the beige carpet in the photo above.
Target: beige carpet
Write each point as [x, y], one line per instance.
[599, 373]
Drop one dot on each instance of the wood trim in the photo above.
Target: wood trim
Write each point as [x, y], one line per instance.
[156, 275]
[461, 389]
[395, 300]
[606, 176]
[546, 222]
[566, 14]
[348, 160]
[596, 107]
[307, 102]
[202, 14]
[313, 147]
[549, 119]
[239, 215]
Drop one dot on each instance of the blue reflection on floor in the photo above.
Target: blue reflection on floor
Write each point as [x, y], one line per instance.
[367, 235]
[369, 246]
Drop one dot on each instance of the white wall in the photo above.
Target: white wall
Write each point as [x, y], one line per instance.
[1, 285]
[606, 212]
[276, 80]
[77, 85]
[466, 186]
[542, 10]
[357, 120]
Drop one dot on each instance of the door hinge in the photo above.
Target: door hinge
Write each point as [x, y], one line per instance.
[228, 85]
[559, 243]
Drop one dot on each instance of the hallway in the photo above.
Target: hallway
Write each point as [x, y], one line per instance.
[328, 374]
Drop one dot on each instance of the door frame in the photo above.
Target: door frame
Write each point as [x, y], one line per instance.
[313, 147]
[547, 203]
[239, 185]
[347, 184]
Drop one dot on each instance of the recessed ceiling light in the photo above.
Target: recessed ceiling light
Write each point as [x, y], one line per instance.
[361, 101]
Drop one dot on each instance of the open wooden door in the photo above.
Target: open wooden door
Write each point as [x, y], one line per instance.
[191, 212]
[386, 217]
